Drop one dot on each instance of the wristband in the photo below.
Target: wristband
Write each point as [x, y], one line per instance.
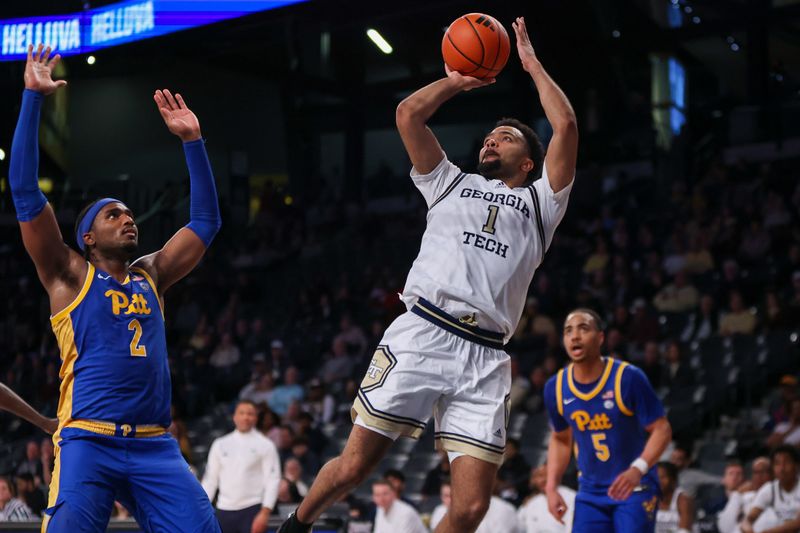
[640, 465]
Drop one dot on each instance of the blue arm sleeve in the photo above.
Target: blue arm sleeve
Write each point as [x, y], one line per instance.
[204, 206]
[639, 396]
[23, 167]
[557, 421]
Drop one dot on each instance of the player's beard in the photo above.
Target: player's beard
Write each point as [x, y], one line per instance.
[491, 169]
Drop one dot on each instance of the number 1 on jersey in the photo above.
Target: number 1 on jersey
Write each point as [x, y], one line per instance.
[489, 226]
[137, 350]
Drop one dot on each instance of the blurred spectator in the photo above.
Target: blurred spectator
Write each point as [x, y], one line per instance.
[284, 441]
[305, 428]
[515, 471]
[394, 515]
[440, 510]
[777, 503]
[677, 373]
[501, 515]
[319, 404]
[732, 480]
[644, 326]
[436, 476]
[308, 459]
[293, 473]
[534, 403]
[244, 467]
[12, 509]
[32, 464]
[178, 431]
[651, 364]
[677, 297]
[676, 508]
[775, 316]
[689, 478]
[698, 259]
[398, 482]
[48, 460]
[535, 324]
[787, 432]
[269, 424]
[260, 392]
[352, 336]
[781, 402]
[30, 494]
[755, 242]
[338, 365]
[277, 358]
[519, 385]
[738, 319]
[740, 501]
[598, 259]
[288, 392]
[288, 492]
[534, 516]
[703, 323]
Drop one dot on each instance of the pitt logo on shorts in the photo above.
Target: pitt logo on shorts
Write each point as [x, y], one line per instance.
[379, 367]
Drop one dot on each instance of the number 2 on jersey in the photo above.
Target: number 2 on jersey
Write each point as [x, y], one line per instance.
[489, 226]
[137, 350]
[600, 447]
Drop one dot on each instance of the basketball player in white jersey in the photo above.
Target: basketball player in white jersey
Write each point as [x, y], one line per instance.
[485, 236]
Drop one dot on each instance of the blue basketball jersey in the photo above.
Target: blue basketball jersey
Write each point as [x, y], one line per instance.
[608, 420]
[114, 352]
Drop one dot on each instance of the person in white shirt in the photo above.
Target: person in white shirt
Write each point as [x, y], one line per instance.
[501, 516]
[740, 501]
[676, 508]
[244, 467]
[440, 510]
[394, 515]
[534, 517]
[776, 507]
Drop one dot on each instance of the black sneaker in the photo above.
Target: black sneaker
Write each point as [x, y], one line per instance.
[293, 525]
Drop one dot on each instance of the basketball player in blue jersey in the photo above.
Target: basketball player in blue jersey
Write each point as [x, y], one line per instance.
[604, 409]
[107, 314]
[485, 236]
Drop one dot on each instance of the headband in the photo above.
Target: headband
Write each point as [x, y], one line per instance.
[85, 224]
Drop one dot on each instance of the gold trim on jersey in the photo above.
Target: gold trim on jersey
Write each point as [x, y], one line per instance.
[65, 335]
[79, 298]
[110, 429]
[600, 384]
[144, 273]
[560, 392]
[618, 390]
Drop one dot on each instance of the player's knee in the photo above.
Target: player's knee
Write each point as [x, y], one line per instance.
[468, 515]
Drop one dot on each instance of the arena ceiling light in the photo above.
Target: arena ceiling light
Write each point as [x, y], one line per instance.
[379, 41]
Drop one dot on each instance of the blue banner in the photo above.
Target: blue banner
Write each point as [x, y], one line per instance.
[120, 23]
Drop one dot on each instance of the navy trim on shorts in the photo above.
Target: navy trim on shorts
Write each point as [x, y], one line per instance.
[437, 317]
[388, 416]
[469, 440]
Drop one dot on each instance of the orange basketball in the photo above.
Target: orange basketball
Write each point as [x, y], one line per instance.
[476, 45]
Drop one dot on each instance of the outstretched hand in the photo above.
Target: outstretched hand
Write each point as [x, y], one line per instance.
[180, 120]
[524, 47]
[39, 71]
[467, 83]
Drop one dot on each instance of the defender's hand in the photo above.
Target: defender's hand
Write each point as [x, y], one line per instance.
[467, 83]
[556, 505]
[177, 116]
[39, 71]
[623, 486]
[524, 46]
[260, 522]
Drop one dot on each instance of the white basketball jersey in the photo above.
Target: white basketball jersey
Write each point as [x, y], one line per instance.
[482, 244]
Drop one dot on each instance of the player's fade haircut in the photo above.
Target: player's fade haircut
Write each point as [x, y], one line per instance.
[598, 320]
[535, 147]
[86, 251]
[669, 469]
[788, 450]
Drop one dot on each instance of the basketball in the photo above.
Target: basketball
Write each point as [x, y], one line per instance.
[476, 45]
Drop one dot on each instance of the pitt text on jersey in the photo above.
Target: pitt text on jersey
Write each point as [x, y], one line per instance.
[487, 243]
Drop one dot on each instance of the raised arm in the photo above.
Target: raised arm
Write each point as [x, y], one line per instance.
[562, 152]
[11, 402]
[414, 112]
[185, 249]
[559, 451]
[55, 262]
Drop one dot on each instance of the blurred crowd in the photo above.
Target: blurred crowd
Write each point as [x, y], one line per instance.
[286, 313]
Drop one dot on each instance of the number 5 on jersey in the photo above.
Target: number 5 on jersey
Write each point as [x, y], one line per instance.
[137, 350]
